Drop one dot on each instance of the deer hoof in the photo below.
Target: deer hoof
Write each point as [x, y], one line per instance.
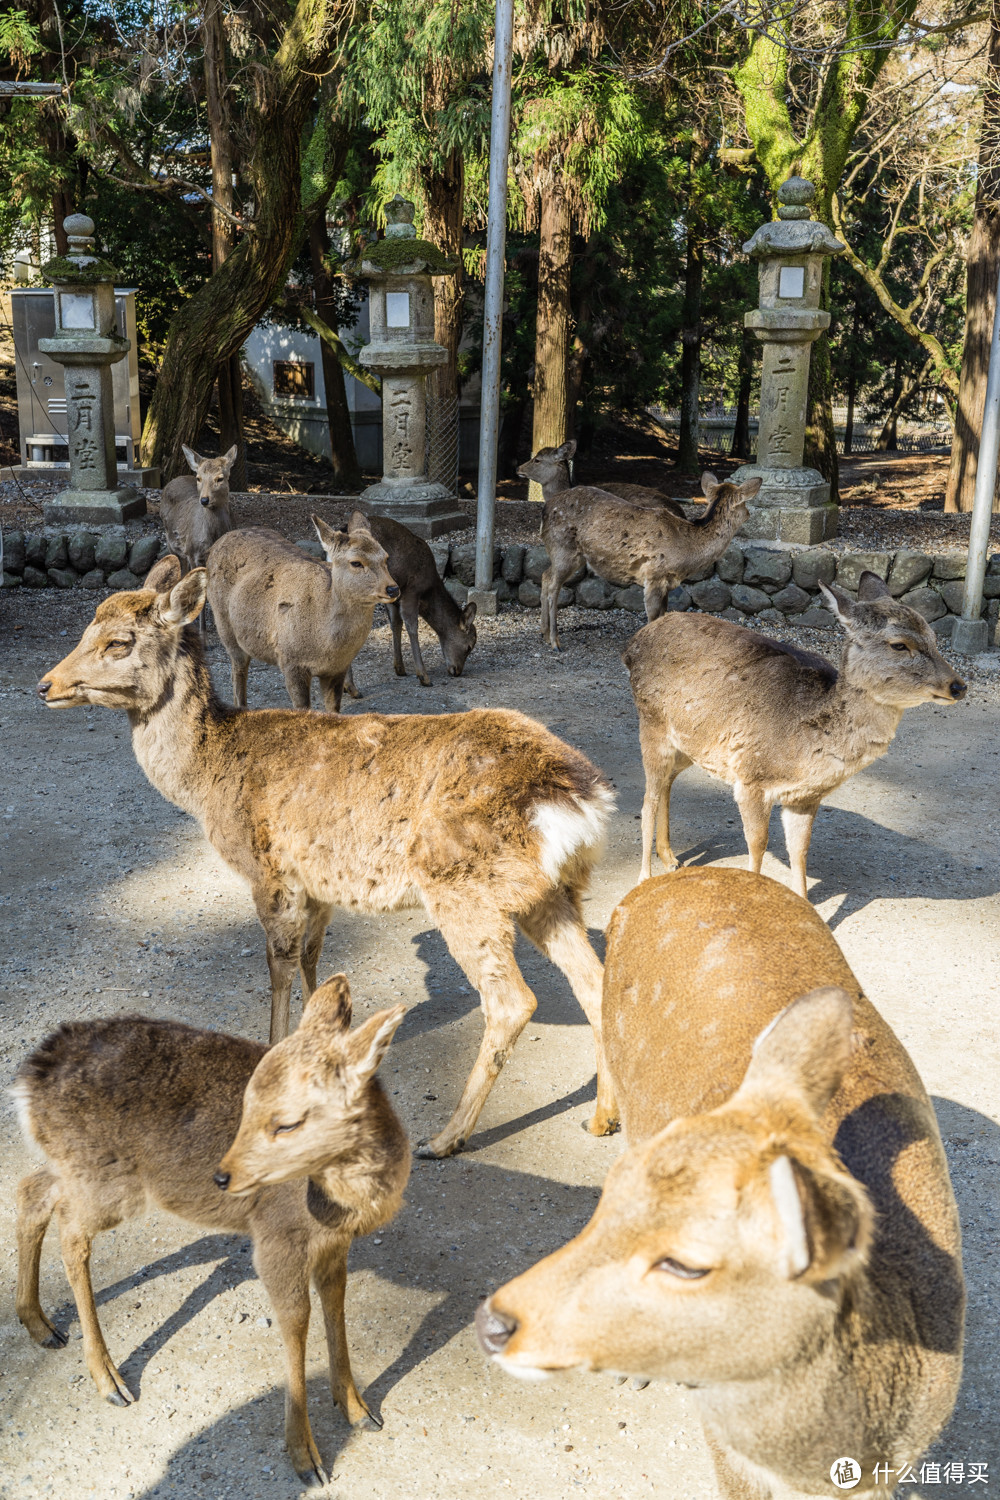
[428, 1151]
[313, 1479]
[115, 1398]
[600, 1125]
[56, 1340]
[425, 682]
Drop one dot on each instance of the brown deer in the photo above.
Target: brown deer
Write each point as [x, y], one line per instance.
[422, 596]
[778, 724]
[194, 508]
[273, 603]
[627, 543]
[132, 1111]
[485, 817]
[781, 1234]
[555, 462]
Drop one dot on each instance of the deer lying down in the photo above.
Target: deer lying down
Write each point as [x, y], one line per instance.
[626, 543]
[297, 1147]
[555, 462]
[781, 1234]
[778, 724]
[273, 603]
[485, 817]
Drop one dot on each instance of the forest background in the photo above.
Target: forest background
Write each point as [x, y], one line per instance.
[237, 155]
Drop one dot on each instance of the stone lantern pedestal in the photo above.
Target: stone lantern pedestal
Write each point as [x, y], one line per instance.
[88, 343]
[402, 350]
[793, 503]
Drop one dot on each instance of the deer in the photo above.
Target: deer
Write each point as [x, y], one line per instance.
[296, 1146]
[555, 462]
[194, 508]
[627, 543]
[485, 817]
[778, 724]
[309, 618]
[422, 595]
[780, 1234]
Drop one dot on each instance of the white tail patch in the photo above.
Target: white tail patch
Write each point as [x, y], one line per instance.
[789, 1205]
[20, 1092]
[567, 830]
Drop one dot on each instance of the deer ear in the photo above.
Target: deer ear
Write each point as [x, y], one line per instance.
[838, 603]
[826, 1220]
[328, 537]
[163, 575]
[469, 614]
[359, 522]
[366, 1047]
[329, 1007]
[750, 488]
[192, 457]
[805, 1051]
[567, 451]
[186, 599]
[229, 458]
[709, 485]
[871, 586]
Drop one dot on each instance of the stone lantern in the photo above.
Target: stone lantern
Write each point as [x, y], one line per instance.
[88, 343]
[793, 503]
[402, 350]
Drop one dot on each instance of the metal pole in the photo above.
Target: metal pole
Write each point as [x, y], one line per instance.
[496, 236]
[971, 633]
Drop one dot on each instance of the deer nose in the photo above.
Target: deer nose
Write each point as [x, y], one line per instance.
[221, 1180]
[393, 591]
[205, 499]
[493, 1329]
[957, 689]
[43, 688]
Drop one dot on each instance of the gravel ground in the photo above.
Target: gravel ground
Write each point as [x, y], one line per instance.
[112, 901]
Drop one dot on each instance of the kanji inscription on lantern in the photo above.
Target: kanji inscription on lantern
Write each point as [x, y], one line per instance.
[86, 452]
[780, 439]
[781, 397]
[83, 407]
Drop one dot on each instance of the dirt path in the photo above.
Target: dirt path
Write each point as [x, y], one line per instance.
[112, 902]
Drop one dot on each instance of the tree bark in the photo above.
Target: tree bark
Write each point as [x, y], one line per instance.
[550, 421]
[214, 323]
[887, 442]
[852, 383]
[980, 297]
[741, 427]
[343, 457]
[444, 195]
[694, 276]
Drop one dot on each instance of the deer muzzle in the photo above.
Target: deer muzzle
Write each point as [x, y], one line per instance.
[494, 1330]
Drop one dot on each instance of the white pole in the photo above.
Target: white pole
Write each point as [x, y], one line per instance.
[496, 237]
[971, 633]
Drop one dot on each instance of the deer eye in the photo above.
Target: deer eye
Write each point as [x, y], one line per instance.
[120, 647]
[356, 564]
[285, 1129]
[682, 1272]
[898, 646]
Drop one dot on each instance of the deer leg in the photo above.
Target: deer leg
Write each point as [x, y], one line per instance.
[330, 1277]
[481, 940]
[317, 921]
[332, 689]
[283, 916]
[756, 815]
[240, 664]
[76, 1242]
[298, 681]
[797, 823]
[396, 626]
[286, 1282]
[654, 598]
[556, 927]
[36, 1200]
[411, 619]
[553, 578]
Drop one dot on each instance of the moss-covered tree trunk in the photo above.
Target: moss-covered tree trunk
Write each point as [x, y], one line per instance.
[694, 276]
[550, 422]
[444, 195]
[215, 322]
[343, 455]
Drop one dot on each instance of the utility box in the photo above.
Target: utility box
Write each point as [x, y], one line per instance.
[41, 390]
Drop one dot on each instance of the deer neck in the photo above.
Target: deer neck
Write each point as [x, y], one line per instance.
[721, 528]
[868, 725]
[362, 1188]
[174, 739]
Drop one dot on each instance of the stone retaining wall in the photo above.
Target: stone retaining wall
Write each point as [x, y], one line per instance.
[773, 583]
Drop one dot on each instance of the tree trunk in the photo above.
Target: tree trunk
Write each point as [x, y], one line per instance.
[230, 376]
[852, 382]
[694, 275]
[343, 456]
[444, 194]
[741, 427]
[981, 285]
[886, 442]
[550, 424]
[215, 322]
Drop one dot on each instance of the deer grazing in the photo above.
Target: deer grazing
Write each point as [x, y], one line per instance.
[273, 603]
[422, 596]
[778, 724]
[627, 543]
[485, 817]
[194, 508]
[296, 1147]
[554, 464]
[781, 1233]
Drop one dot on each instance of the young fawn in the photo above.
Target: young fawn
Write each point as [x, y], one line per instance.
[296, 1147]
[555, 463]
[778, 724]
[781, 1234]
[195, 509]
[273, 603]
[627, 543]
[485, 817]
